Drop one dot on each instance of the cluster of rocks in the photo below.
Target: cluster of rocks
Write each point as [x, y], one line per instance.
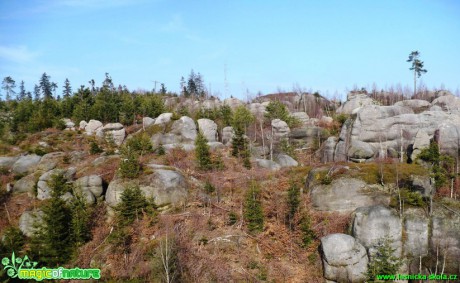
[390, 131]
[112, 132]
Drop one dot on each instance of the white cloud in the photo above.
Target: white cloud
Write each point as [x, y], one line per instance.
[17, 54]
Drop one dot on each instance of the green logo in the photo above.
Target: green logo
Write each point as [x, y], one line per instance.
[24, 268]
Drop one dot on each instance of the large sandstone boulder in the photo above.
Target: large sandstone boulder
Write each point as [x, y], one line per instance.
[268, 164]
[112, 132]
[147, 121]
[92, 127]
[90, 187]
[449, 137]
[69, 125]
[302, 117]
[208, 128]
[344, 259]
[285, 160]
[361, 150]
[7, 162]
[227, 135]
[354, 102]
[371, 224]
[26, 164]
[345, 195]
[163, 185]
[50, 160]
[25, 184]
[448, 102]
[280, 129]
[185, 128]
[29, 221]
[327, 152]
[163, 119]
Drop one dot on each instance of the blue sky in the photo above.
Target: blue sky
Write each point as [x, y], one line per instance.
[264, 46]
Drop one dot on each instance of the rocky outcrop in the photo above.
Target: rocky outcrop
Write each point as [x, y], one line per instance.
[227, 135]
[112, 132]
[165, 186]
[285, 160]
[50, 160]
[344, 258]
[421, 141]
[447, 102]
[7, 162]
[445, 237]
[25, 184]
[417, 105]
[29, 221]
[90, 187]
[185, 128]
[371, 224]
[268, 164]
[360, 150]
[354, 102]
[302, 117]
[92, 127]
[26, 164]
[69, 125]
[394, 128]
[345, 195]
[281, 129]
[163, 119]
[327, 152]
[208, 128]
[147, 121]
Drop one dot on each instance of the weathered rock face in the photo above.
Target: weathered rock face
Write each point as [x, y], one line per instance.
[90, 187]
[50, 160]
[26, 164]
[92, 127]
[29, 220]
[208, 128]
[416, 226]
[82, 125]
[165, 186]
[327, 152]
[447, 101]
[417, 105]
[345, 195]
[285, 160]
[422, 184]
[344, 258]
[25, 184]
[445, 237]
[43, 189]
[7, 162]
[147, 121]
[361, 150]
[354, 102]
[185, 128]
[449, 137]
[421, 141]
[264, 163]
[112, 132]
[372, 223]
[227, 135]
[280, 129]
[302, 117]
[163, 119]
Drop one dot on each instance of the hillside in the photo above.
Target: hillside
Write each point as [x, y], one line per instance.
[286, 188]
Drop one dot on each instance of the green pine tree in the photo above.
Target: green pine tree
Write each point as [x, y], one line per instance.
[81, 214]
[253, 213]
[202, 154]
[133, 204]
[53, 240]
[384, 261]
[293, 202]
[129, 165]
